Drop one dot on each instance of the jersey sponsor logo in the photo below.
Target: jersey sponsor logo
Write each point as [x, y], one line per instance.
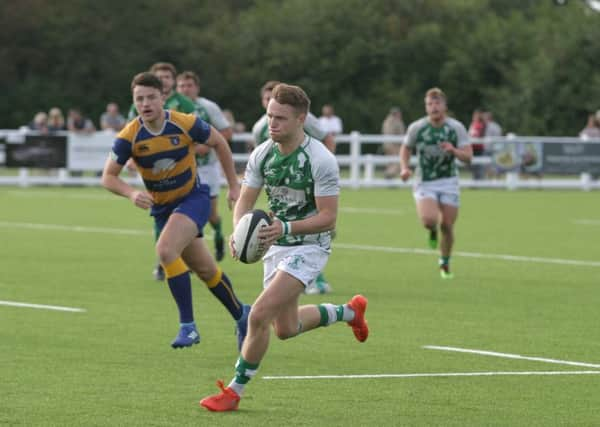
[174, 140]
[163, 165]
[143, 148]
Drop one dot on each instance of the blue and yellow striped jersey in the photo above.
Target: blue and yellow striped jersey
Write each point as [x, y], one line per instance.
[167, 160]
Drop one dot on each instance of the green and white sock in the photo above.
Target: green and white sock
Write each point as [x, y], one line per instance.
[244, 371]
[331, 313]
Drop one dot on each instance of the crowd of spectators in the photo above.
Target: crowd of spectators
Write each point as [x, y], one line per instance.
[481, 129]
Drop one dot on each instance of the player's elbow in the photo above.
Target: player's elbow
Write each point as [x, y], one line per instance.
[329, 221]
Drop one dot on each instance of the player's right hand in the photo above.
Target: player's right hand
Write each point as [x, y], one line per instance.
[405, 174]
[142, 199]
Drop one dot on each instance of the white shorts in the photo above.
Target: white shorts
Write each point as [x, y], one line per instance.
[304, 262]
[211, 175]
[445, 191]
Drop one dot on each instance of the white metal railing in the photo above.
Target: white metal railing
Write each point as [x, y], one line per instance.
[360, 169]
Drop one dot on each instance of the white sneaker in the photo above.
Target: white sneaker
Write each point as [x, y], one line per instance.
[318, 287]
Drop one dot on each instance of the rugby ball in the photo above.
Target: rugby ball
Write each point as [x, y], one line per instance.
[245, 236]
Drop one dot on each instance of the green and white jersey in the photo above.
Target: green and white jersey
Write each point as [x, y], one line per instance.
[212, 114]
[293, 181]
[435, 163]
[260, 130]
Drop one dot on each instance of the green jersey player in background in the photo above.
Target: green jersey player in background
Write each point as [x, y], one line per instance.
[188, 84]
[438, 141]
[301, 179]
[260, 132]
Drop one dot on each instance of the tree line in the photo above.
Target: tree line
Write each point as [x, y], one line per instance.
[535, 64]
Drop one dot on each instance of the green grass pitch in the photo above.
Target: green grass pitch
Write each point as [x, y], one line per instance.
[527, 276]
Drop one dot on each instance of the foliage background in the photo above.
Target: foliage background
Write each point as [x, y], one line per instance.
[535, 64]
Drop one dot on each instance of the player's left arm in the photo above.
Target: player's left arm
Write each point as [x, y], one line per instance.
[324, 220]
[463, 153]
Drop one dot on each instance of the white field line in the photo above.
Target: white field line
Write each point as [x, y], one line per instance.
[44, 194]
[503, 257]
[587, 221]
[337, 245]
[421, 375]
[374, 211]
[75, 228]
[512, 356]
[59, 195]
[42, 306]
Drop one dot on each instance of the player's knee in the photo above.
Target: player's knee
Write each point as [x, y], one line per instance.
[429, 222]
[285, 331]
[258, 318]
[165, 253]
[446, 227]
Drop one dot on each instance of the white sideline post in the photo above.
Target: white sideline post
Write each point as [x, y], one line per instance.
[512, 179]
[23, 177]
[355, 159]
[586, 181]
[369, 169]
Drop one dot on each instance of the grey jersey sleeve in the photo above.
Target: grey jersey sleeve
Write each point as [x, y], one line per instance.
[410, 139]
[326, 173]
[461, 133]
[253, 176]
[257, 130]
[313, 128]
[217, 118]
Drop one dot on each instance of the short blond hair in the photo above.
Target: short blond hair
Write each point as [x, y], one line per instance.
[435, 92]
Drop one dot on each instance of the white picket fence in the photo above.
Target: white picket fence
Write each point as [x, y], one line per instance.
[359, 170]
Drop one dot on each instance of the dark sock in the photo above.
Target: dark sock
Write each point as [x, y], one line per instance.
[181, 289]
[220, 286]
[218, 229]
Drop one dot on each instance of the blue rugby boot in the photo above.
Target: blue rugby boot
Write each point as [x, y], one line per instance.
[188, 335]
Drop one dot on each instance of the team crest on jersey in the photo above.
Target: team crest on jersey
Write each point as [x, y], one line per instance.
[174, 140]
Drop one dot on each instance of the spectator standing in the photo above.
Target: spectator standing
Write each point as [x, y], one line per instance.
[77, 122]
[492, 129]
[477, 130]
[477, 126]
[39, 123]
[393, 125]
[112, 118]
[591, 129]
[330, 123]
[56, 120]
